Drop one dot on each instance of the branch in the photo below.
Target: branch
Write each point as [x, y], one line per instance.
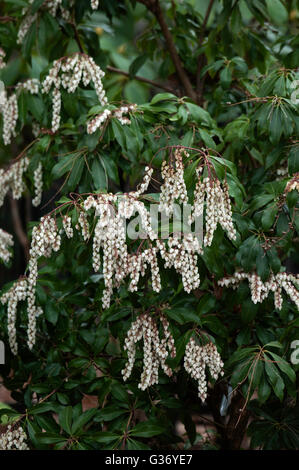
[16, 219]
[155, 8]
[77, 37]
[140, 79]
[6, 19]
[199, 82]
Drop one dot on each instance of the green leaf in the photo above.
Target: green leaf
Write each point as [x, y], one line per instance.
[119, 133]
[36, 5]
[274, 377]
[262, 266]
[137, 64]
[264, 390]
[105, 436]
[200, 115]
[293, 160]
[277, 11]
[225, 77]
[65, 419]
[50, 438]
[283, 366]
[64, 165]
[163, 97]
[76, 173]
[146, 429]
[98, 174]
[132, 444]
[269, 217]
[82, 420]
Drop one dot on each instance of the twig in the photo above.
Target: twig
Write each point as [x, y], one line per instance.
[6, 19]
[140, 79]
[77, 37]
[155, 7]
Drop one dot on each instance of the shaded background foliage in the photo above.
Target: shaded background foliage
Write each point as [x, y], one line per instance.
[227, 86]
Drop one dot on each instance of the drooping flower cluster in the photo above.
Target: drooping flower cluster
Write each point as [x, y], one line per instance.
[28, 20]
[155, 349]
[218, 207]
[9, 111]
[109, 230]
[110, 236]
[45, 240]
[260, 290]
[9, 107]
[13, 439]
[12, 297]
[6, 241]
[2, 55]
[52, 6]
[38, 185]
[118, 113]
[182, 254]
[68, 72]
[67, 226]
[199, 357]
[11, 179]
[174, 187]
[211, 197]
[293, 184]
[94, 4]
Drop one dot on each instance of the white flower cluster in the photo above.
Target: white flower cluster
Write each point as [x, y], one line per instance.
[182, 256]
[67, 226]
[98, 121]
[2, 55]
[45, 240]
[9, 111]
[118, 113]
[110, 248]
[52, 6]
[26, 24]
[13, 439]
[31, 85]
[38, 185]
[155, 350]
[218, 207]
[84, 225]
[208, 193]
[68, 72]
[174, 187]
[9, 107]
[260, 290]
[12, 297]
[197, 358]
[94, 4]
[110, 236]
[293, 184]
[11, 179]
[6, 241]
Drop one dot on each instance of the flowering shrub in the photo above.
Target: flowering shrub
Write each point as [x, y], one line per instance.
[149, 166]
